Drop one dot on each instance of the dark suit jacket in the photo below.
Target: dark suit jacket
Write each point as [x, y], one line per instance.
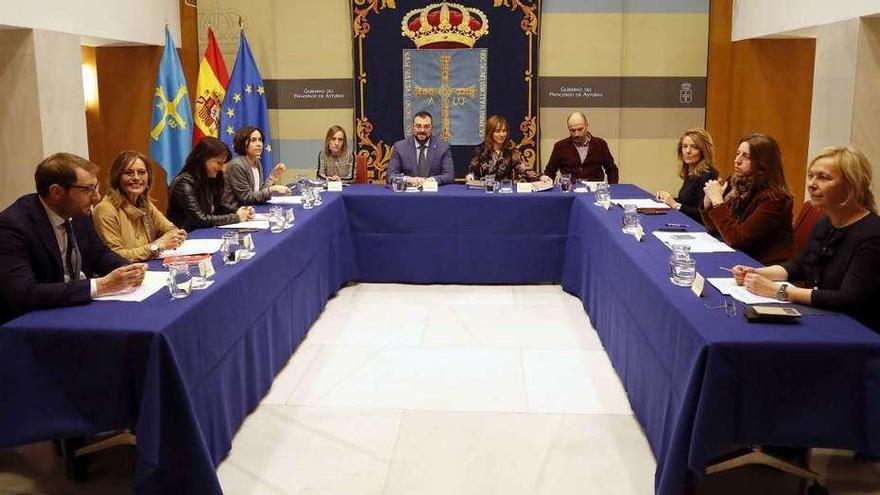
[595, 167]
[31, 271]
[439, 156]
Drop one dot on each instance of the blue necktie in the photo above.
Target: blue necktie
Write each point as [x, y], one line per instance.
[74, 260]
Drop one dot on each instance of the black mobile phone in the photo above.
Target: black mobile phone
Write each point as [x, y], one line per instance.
[672, 229]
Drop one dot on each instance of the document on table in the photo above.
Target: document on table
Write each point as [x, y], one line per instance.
[640, 203]
[253, 224]
[699, 242]
[728, 287]
[153, 282]
[285, 200]
[194, 246]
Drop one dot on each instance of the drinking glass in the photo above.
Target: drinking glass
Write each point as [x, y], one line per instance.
[565, 183]
[230, 249]
[489, 182]
[630, 218]
[307, 197]
[603, 195]
[179, 280]
[506, 186]
[685, 272]
[289, 218]
[276, 219]
[398, 183]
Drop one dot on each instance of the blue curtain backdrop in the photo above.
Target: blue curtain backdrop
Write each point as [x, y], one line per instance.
[511, 88]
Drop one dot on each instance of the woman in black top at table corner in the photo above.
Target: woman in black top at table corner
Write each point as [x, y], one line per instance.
[696, 156]
[336, 161]
[841, 263]
[195, 198]
[498, 155]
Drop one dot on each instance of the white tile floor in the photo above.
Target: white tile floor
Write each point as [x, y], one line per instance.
[423, 390]
[404, 389]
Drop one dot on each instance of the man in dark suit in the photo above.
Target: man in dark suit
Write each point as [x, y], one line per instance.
[423, 156]
[581, 154]
[49, 250]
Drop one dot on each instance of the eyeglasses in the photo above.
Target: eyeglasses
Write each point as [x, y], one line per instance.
[727, 304]
[89, 189]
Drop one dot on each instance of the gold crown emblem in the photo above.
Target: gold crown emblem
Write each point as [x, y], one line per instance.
[444, 25]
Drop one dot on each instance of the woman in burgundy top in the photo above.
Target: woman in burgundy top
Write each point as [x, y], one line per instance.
[752, 211]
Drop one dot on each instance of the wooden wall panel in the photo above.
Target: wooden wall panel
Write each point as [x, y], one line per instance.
[762, 85]
[126, 79]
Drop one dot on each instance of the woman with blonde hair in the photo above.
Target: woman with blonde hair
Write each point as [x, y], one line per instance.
[696, 157]
[497, 155]
[840, 267]
[126, 219]
[752, 211]
[335, 161]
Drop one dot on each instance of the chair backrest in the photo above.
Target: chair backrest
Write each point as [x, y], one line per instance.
[803, 224]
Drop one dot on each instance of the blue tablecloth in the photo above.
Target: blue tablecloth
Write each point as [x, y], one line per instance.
[184, 373]
[458, 235]
[702, 383]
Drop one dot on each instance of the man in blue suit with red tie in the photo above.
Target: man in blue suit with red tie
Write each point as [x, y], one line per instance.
[423, 156]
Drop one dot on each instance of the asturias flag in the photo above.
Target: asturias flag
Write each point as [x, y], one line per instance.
[171, 127]
[211, 89]
[245, 102]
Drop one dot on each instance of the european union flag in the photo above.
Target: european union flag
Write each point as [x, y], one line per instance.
[245, 102]
[172, 124]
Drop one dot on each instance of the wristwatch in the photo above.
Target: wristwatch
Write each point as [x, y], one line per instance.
[154, 250]
[782, 292]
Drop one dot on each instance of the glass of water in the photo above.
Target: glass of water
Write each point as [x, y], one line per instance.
[179, 280]
[489, 182]
[506, 186]
[276, 219]
[603, 195]
[565, 183]
[631, 221]
[307, 198]
[231, 245]
[398, 183]
[289, 218]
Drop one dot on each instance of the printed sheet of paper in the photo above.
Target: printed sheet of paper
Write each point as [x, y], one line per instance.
[728, 287]
[699, 242]
[194, 246]
[153, 282]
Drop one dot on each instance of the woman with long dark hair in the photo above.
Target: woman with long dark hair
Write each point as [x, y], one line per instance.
[497, 155]
[752, 211]
[244, 173]
[195, 196]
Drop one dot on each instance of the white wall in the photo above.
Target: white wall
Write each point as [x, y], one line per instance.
[756, 18]
[98, 21]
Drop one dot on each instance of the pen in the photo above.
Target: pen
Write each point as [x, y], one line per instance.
[726, 269]
[676, 225]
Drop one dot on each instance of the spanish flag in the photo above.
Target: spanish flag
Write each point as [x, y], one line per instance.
[211, 89]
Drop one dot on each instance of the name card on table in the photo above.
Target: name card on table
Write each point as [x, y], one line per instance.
[429, 186]
[698, 285]
[334, 186]
[524, 187]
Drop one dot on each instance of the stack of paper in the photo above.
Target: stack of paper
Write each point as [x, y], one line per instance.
[728, 287]
[699, 242]
[153, 282]
[641, 203]
[285, 200]
[253, 224]
[194, 246]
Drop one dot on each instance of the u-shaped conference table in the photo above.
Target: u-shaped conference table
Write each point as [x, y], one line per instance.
[183, 374]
